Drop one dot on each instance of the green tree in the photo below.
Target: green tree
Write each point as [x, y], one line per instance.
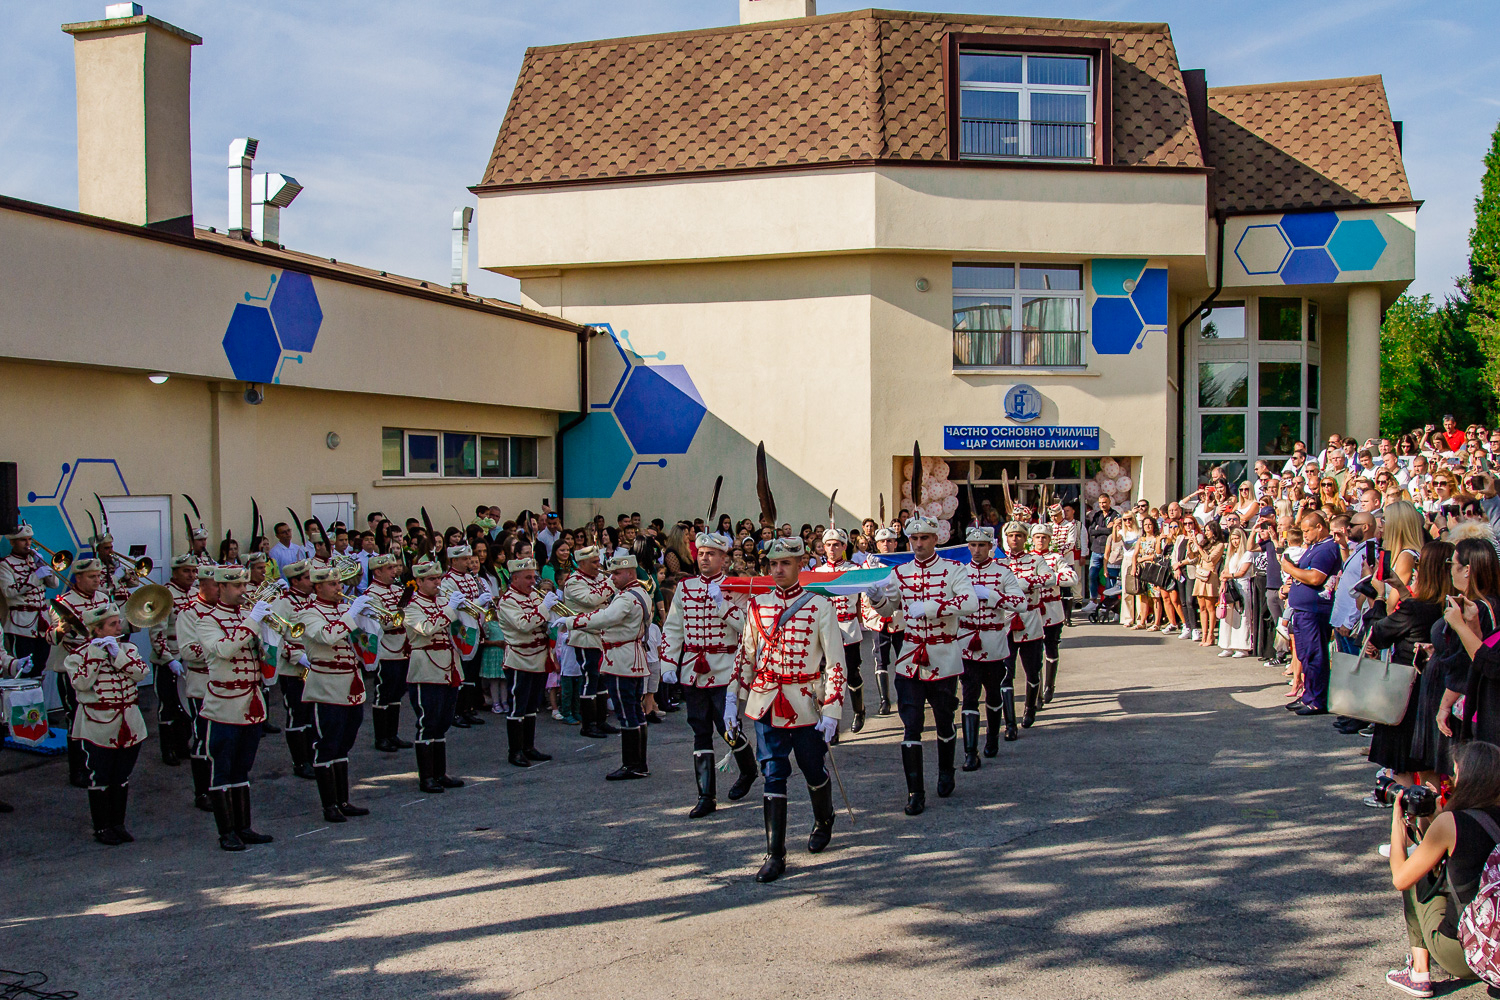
[1480, 291]
[1431, 364]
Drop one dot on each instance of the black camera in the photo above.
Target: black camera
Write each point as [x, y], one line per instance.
[1417, 801]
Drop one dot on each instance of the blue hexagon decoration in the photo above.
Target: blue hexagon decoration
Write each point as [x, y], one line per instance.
[250, 344]
[1357, 245]
[1309, 229]
[1109, 274]
[1262, 249]
[660, 409]
[1309, 266]
[1117, 326]
[295, 308]
[595, 457]
[1150, 296]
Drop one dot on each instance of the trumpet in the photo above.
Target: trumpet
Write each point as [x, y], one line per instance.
[377, 611]
[478, 610]
[268, 592]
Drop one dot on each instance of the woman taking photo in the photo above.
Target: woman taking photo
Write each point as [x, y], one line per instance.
[1457, 836]
[1236, 630]
[1147, 607]
[1246, 506]
[1476, 676]
[1402, 545]
[1401, 630]
[1206, 589]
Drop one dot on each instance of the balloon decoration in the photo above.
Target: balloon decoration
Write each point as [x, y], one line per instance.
[939, 499]
[1112, 480]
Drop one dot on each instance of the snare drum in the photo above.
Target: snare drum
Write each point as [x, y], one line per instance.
[25, 708]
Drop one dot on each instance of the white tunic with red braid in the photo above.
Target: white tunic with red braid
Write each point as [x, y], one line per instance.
[164, 636]
[230, 645]
[190, 648]
[393, 641]
[791, 664]
[621, 627]
[583, 594]
[524, 626]
[846, 606]
[1064, 575]
[700, 637]
[888, 620]
[333, 673]
[1037, 577]
[106, 684]
[69, 640]
[988, 629]
[932, 650]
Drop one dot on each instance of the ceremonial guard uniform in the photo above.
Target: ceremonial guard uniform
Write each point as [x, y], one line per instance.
[1026, 629]
[24, 580]
[1067, 542]
[335, 688]
[999, 595]
[583, 593]
[523, 624]
[699, 642]
[193, 684]
[82, 596]
[108, 725]
[391, 666]
[847, 607]
[433, 676]
[620, 626]
[468, 586]
[1054, 611]
[933, 594]
[889, 629]
[291, 668]
[173, 727]
[790, 671]
[256, 564]
[233, 705]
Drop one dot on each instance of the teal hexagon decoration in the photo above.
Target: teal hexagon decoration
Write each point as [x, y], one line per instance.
[595, 457]
[1357, 245]
[1262, 249]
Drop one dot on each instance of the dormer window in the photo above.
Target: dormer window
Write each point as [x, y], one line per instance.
[1025, 105]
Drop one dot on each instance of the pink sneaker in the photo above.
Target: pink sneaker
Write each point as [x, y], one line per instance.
[1401, 979]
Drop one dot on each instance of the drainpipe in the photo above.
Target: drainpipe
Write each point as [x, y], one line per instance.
[1182, 407]
[573, 421]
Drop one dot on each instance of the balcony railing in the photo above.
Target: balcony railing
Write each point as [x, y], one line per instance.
[994, 137]
[1018, 348]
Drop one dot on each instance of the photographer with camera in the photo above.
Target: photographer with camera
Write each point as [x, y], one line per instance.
[1441, 875]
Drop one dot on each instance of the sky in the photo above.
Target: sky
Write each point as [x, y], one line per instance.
[386, 112]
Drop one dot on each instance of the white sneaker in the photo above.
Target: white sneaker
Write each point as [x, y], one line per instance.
[1169, 627]
[1197, 635]
[1240, 654]
[1224, 653]
[1088, 608]
[1186, 633]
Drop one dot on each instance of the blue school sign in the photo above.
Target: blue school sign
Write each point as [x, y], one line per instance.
[1006, 437]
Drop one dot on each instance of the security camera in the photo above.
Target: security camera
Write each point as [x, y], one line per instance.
[254, 395]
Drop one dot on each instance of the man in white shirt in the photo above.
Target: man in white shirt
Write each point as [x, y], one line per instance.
[1335, 446]
[550, 532]
[284, 553]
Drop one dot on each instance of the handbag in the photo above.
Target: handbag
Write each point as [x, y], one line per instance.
[1374, 690]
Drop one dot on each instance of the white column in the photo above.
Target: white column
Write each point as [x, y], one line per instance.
[1362, 365]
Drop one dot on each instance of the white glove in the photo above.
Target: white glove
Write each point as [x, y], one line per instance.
[175, 666]
[731, 710]
[109, 644]
[301, 659]
[982, 592]
[716, 594]
[454, 600]
[20, 665]
[828, 726]
[285, 587]
[922, 609]
[550, 601]
[258, 613]
[669, 676]
[359, 604]
[564, 624]
[42, 575]
[371, 625]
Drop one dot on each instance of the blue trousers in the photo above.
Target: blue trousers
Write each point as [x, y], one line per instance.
[774, 750]
[231, 752]
[526, 690]
[626, 691]
[1096, 575]
[334, 730]
[434, 705]
[1311, 632]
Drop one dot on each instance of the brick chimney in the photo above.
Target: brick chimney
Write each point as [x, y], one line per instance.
[134, 148]
[752, 11]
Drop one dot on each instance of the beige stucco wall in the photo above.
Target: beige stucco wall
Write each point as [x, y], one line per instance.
[200, 437]
[77, 294]
[844, 210]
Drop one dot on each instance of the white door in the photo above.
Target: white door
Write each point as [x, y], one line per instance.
[142, 524]
[330, 507]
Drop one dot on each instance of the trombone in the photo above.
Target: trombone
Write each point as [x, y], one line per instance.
[269, 591]
[61, 558]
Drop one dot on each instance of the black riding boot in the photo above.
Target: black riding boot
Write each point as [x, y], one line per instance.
[1008, 704]
[101, 810]
[883, 686]
[426, 778]
[440, 766]
[239, 805]
[224, 819]
[341, 782]
[744, 757]
[76, 776]
[822, 807]
[629, 744]
[916, 791]
[393, 727]
[1050, 681]
[601, 716]
[379, 722]
[515, 734]
[202, 771]
[119, 795]
[299, 744]
[642, 738]
[703, 769]
[971, 741]
[774, 808]
[166, 735]
[532, 753]
[586, 712]
[857, 694]
[992, 731]
[328, 794]
[946, 751]
[1033, 698]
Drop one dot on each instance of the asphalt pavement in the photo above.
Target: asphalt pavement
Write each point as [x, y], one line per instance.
[1165, 830]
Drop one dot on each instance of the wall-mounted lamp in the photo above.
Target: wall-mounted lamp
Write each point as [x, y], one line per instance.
[157, 378]
[332, 440]
[923, 284]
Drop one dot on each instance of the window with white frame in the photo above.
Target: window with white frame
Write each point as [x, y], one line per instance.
[423, 454]
[1018, 315]
[1029, 105]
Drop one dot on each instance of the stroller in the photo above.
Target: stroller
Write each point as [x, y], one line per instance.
[1107, 609]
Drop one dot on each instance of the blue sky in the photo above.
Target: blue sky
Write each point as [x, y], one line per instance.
[386, 111]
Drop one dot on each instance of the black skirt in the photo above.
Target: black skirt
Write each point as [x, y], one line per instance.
[1391, 746]
[1428, 744]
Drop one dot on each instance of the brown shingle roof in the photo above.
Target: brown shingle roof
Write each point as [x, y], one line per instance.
[1318, 143]
[845, 87]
